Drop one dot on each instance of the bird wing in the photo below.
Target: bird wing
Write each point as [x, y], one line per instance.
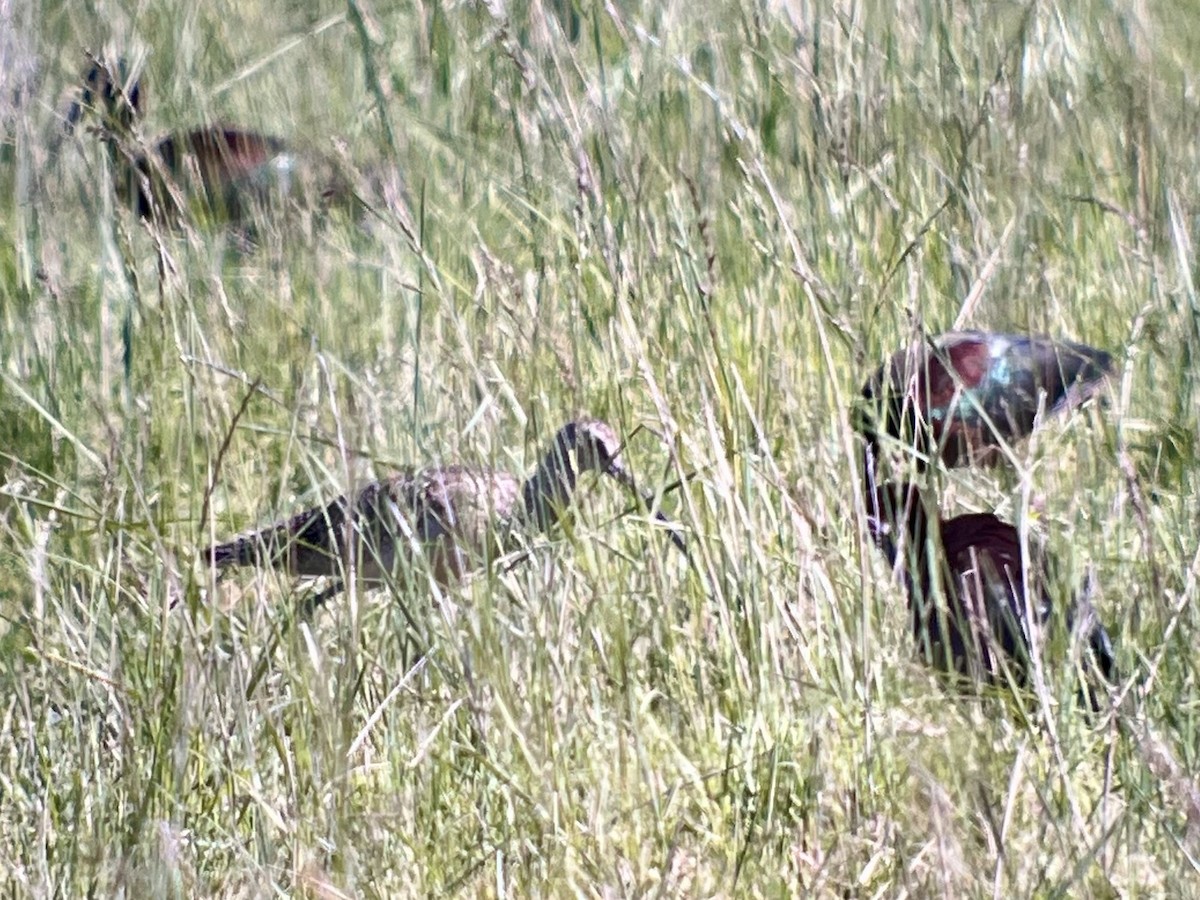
[216, 172]
[460, 515]
[974, 391]
[987, 389]
[222, 154]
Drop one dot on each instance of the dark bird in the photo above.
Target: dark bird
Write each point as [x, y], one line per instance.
[975, 563]
[964, 395]
[459, 518]
[213, 173]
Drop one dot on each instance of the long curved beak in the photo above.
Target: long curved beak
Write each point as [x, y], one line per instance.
[621, 474]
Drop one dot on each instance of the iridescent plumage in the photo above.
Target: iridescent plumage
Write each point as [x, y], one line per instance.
[973, 596]
[964, 395]
[213, 173]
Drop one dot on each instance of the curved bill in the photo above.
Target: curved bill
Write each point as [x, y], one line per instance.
[617, 471]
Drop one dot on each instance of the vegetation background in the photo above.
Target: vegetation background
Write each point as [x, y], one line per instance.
[703, 220]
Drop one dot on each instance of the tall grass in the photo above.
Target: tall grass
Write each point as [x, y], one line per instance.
[709, 219]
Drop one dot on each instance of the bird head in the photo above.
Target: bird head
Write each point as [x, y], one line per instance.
[112, 90]
[583, 445]
[590, 445]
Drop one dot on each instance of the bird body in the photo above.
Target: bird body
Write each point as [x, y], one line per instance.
[994, 596]
[212, 173]
[460, 518]
[976, 595]
[221, 174]
[964, 395]
[457, 515]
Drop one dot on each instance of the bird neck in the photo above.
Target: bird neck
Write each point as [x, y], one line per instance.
[548, 490]
[902, 520]
[870, 462]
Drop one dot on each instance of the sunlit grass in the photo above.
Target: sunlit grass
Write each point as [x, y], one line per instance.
[709, 220]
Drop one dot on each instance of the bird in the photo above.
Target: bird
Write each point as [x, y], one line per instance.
[212, 173]
[961, 398]
[985, 624]
[459, 517]
[964, 395]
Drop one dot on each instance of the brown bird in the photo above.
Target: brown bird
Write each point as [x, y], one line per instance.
[459, 518]
[976, 563]
[964, 395]
[960, 398]
[214, 173]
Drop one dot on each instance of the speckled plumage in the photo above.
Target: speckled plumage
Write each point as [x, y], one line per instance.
[213, 173]
[458, 517]
[963, 395]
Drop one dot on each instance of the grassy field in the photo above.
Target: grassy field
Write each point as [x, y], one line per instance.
[706, 223]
